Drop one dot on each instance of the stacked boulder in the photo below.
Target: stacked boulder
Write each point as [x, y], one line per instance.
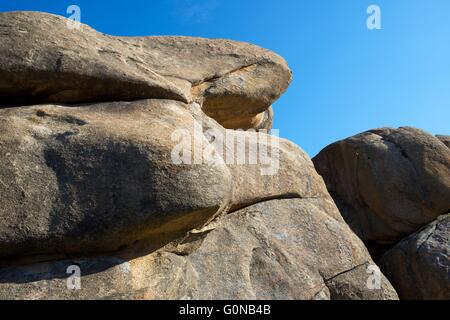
[392, 186]
[121, 176]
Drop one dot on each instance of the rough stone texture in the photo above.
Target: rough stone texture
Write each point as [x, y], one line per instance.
[98, 177]
[235, 82]
[387, 182]
[279, 249]
[419, 266]
[104, 176]
[282, 170]
[267, 121]
[444, 139]
[354, 285]
[102, 185]
[289, 173]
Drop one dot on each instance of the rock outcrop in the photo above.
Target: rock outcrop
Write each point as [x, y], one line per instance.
[419, 266]
[42, 60]
[393, 188]
[102, 176]
[387, 183]
[279, 249]
[145, 188]
[104, 180]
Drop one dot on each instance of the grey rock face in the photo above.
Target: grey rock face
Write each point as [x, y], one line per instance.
[279, 249]
[387, 183]
[419, 266]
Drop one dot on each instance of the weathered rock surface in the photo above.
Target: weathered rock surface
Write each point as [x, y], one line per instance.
[360, 283]
[235, 82]
[387, 182]
[444, 139]
[288, 172]
[98, 177]
[104, 175]
[279, 249]
[267, 167]
[157, 198]
[419, 266]
[88, 167]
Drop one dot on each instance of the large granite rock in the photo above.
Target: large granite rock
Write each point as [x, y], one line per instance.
[104, 176]
[81, 175]
[42, 60]
[264, 166]
[279, 249]
[419, 266]
[98, 177]
[144, 196]
[387, 183]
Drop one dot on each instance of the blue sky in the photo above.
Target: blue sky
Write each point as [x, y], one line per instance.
[347, 79]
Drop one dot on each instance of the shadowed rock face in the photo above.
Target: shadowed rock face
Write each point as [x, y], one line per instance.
[419, 266]
[98, 177]
[235, 82]
[387, 183]
[279, 249]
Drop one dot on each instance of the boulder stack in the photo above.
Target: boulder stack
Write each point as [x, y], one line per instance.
[392, 187]
[118, 159]
[43, 61]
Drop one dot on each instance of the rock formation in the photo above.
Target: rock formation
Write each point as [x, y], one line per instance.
[419, 266]
[118, 157]
[43, 61]
[388, 184]
[278, 249]
[385, 181]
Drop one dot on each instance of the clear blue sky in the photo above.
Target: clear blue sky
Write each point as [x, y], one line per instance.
[347, 79]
